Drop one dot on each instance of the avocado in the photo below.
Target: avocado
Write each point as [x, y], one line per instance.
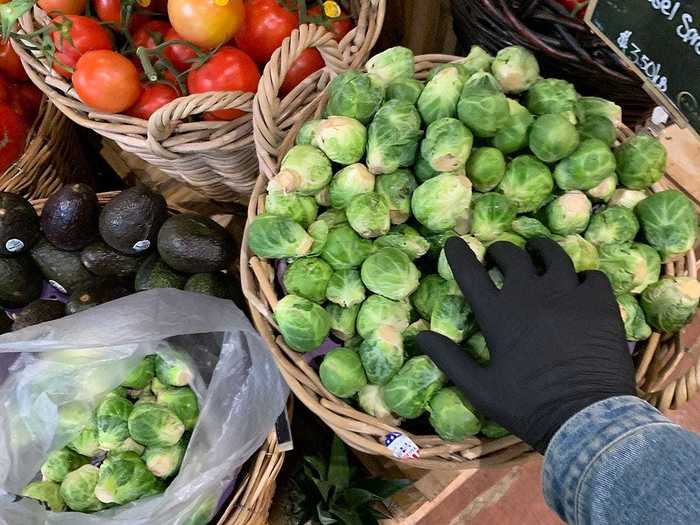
[5, 323]
[104, 261]
[98, 292]
[69, 219]
[37, 312]
[216, 284]
[20, 281]
[154, 273]
[63, 270]
[194, 244]
[19, 225]
[130, 222]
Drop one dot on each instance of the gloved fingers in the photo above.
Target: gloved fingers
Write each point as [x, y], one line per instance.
[597, 281]
[472, 277]
[511, 260]
[559, 267]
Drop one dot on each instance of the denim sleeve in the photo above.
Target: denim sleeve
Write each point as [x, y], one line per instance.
[620, 461]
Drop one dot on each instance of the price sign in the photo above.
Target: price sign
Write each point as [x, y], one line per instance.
[660, 41]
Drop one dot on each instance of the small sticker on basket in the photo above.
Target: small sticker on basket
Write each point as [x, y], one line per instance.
[401, 446]
[142, 246]
[14, 245]
[57, 286]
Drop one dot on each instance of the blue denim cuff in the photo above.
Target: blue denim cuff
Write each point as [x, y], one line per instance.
[582, 440]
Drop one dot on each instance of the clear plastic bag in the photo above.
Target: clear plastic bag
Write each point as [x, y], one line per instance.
[55, 366]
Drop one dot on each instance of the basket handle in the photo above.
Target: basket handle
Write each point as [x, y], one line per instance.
[358, 43]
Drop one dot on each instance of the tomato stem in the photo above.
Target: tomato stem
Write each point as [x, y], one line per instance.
[10, 13]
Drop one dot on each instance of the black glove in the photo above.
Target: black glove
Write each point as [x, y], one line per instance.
[557, 340]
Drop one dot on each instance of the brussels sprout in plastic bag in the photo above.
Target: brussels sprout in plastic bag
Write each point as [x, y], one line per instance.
[552, 138]
[345, 288]
[516, 69]
[343, 320]
[591, 107]
[382, 354]
[153, 425]
[604, 191]
[588, 166]
[124, 478]
[441, 95]
[486, 168]
[377, 311]
[112, 421]
[303, 324]
[452, 317]
[348, 183]
[300, 208]
[530, 228]
[513, 136]
[405, 89]
[345, 249]
[78, 490]
[393, 136]
[47, 492]
[430, 290]
[527, 183]
[627, 198]
[671, 303]
[596, 127]
[613, 225]
[389, 272]
[129, 445]
[410, 390]
[59, 463]
[342, 139]
[369, 215]
[474, 244]
[305, 169]
[641, 161]
[371, 401]
[308, 277]
[478, 349]
[86, 443]
[452, 416]
[141, 376]
[164, 462]
[174, 369]
[482, 106]
[442, 203]
[397, 189]
[492, 214]
[406, 239]
[630, 267]
[669, 223]
[583, 254]
[341, 372]
[569, 213]
[447, 145]
[391, 65]
[636, 327]
[183, 402]
[352, 94]
[276, 237]
[551, 95]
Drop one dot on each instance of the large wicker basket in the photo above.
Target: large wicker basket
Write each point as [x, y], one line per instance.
[217, 158]
[657, 369]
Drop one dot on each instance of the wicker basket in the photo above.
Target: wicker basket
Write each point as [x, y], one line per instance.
[217, 158]
[53, 157]
[658, 363]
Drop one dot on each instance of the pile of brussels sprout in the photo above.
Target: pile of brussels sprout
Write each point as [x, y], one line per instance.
[130, 447]
[487, 150]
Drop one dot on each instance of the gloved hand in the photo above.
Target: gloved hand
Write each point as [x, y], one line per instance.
[556, 338]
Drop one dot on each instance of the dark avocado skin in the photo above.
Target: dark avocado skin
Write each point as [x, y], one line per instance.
[62, 267]
[20, 281]
[69, 219]
[18, 220]
[39, 311]
[5, 323]
[134, 215]
[194, 244]
[92, 294]
[104, 261]
[216, 284]
[154, 273]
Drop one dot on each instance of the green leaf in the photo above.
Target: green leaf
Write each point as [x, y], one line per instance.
[324, 516]
[318, 464]
[339, 467]
[348, 517]
[353, 498]
[383, 488]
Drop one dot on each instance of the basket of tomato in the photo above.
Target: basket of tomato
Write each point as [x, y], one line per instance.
[173, 81]
[39, 149]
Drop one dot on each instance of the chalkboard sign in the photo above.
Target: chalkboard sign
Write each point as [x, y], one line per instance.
[660, 40]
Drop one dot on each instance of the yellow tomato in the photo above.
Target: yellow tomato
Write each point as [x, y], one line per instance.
[206, 23]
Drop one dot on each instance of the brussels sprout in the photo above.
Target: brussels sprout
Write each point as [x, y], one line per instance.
[441, 95]
[183, 403]
[569, 213]
[671, 303]
[552, 138]
[389, 272]
[319, 232]
[614, 225]
[430, 290]
[393, 135]
[308, 277]
[343, 320]
[474, 244]
[442, 203]
[348, 183]
[369, 215]
[516, 69]
[482, 106]
[636, 327]
[515, 133]
[377, 311]
[345, 249]
[341, 372]
[627, 198]
[478, 349]
[447, 145]
[405, 89]
[452, 317]
[397, 189]
[164, 462]
[551, 95]
[303, 324]
[641, 162]
[382, 354]
[154, 425]
[592, 107]
[129, 445]
[604, 191]
[173, 370]
[323, 197]
[305, 169]
[600, 128]
[141, 376]
[477, 60]
[423, 170]
[530, 228]
[112, 417]
[275, 237]
[78, 490]
[492, 214]
[406, 239]
[669, 223]
[300, 208]
[510, 237]
[630, 267]
[307, 132]
[583, 254]
[46, 492]
[371, 401]
[342, 139]
[410, 390]
[86, 443]
[157, 386]
[527, 183]
[391, 65]
[410, 346]
[333, 218]
[493, 430]
[486, 168]
[59, 463]
[437, 240]
[452, 416]
[124, 478]
[345, 288]
[352, 94]
[588, 166]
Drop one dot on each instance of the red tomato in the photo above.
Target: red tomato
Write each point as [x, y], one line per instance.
[10, 64]
[153, 97]
[151, 34]
[25, 100]
[111, 11]
[309, 61]
[179, 54]
[575, 7]
[4, 90]
[85, 33]
[206, 23]
[107, 81]
[158, 6]
[229, 69]
[64, 7]
[13, 136]
[340, 27]
[265, 27]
